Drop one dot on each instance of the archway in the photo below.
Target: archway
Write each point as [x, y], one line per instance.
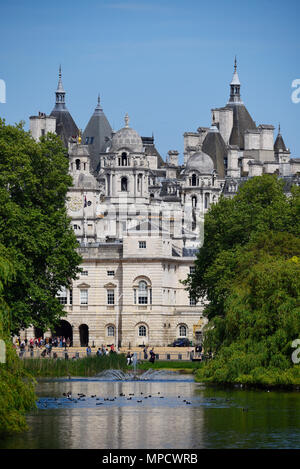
[63, 329]
[38, 333]
[84, 335]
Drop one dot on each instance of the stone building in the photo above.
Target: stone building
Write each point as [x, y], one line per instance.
[139, 218]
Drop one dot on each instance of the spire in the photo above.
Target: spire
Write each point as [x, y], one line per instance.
[126, 119]
[235, 86]
[214, 127]
[98, 108]
[60, 92]
[279, 142]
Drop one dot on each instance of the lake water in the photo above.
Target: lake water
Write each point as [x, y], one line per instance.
[212, 418]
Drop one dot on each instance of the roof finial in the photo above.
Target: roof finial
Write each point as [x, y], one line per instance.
[98, 99]
[59, 73]
[235, 64]
[279, 128]
[126, 118]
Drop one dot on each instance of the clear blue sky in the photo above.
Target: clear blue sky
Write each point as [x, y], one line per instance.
[166, 62]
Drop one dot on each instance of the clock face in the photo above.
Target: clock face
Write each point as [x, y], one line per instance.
[75, 204]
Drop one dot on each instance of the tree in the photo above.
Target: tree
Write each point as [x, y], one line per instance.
[34, 226]
[249, 270]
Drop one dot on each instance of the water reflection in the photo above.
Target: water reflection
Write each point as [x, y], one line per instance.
[213, 419]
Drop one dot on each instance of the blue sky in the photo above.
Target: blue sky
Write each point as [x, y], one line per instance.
[166, 63]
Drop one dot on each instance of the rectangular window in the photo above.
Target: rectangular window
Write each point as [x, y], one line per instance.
[83, 297]
[62, 296]
[142, 244]
[110, 297]
[71, 296]
[192, 269]
[193, 301]
[111, 273]
[84, 273]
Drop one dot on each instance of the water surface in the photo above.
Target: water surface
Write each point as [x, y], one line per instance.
[179, 414]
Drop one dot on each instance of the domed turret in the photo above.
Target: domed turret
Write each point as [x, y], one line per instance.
[127, 138]
[200, 162]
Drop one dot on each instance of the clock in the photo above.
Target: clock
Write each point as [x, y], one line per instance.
[75, 204]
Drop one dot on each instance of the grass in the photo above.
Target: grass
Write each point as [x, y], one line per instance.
[87, 366]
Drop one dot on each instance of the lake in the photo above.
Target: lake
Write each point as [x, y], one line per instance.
[169, 410]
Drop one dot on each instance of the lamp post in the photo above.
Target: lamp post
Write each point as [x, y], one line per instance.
[117, 323]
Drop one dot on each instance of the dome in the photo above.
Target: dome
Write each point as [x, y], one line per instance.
[127, 138]
[200, 162]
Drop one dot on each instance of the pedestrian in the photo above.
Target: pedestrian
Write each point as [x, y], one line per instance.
[152, 356]
[145, 353]
[88, 351]
[128, 357]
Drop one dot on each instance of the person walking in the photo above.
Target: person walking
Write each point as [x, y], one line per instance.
[152, 356]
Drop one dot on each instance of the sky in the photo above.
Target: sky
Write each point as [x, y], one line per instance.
[166, 63]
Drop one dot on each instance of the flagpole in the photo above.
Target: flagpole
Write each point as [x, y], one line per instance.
[84, 218]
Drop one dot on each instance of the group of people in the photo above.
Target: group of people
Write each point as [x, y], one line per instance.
[48, 342]
[130, 356]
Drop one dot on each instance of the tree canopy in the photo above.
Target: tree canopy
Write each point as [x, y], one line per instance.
[34, 226]
[249, 271]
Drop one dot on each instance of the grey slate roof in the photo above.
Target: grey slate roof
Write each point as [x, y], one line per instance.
[65, 125]
[242, 121]
[279, 143]
[215, 147]
[96, 135]
[150, 149]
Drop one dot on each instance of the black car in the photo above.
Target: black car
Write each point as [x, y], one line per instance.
[181, 343]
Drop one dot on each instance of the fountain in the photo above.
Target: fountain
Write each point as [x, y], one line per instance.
[119, 375]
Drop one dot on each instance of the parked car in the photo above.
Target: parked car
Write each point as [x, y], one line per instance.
[183, 342]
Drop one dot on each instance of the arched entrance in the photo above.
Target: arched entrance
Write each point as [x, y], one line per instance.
[84, 335]
[38, 333]
[63, 329]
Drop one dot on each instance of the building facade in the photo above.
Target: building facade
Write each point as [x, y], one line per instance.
[139, 218]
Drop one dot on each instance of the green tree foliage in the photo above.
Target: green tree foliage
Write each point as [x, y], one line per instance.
[249, 270]
[34, 226]
[16, 386]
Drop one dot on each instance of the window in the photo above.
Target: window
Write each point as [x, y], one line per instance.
[192, 269]
[143, 293]
[124, 184]
[206, 201]
[182, 331]
[77, 162]
[91, 140]
[111, 273]
[111, 331]
[71, 296]
[62, 296]
[110, 297]
[193, 301]
[84, 297]
[142, 244]
[124, 159]
[84, 273]
[142, 331]
[194, 201]
[194, 180]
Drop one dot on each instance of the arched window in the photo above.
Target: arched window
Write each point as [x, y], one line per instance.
[124, 184]
[124, 159]
[142, 331]
[110, 331]
[194, 201]
[77, 162]
[194, 180]
[143, 293]
[182, 331]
